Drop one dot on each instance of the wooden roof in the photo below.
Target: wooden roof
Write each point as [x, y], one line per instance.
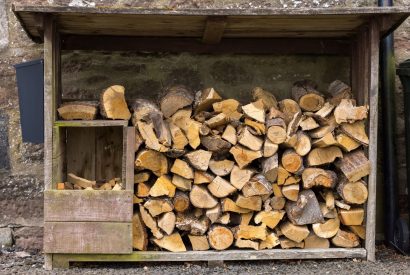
[210, 24]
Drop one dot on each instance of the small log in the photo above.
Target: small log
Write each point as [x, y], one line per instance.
[268, 99]
[292, 180]
[277, 203]
[199, 243]
[275, 113]
[79, 181]
[289, 108]
[313, 241]
[329, 198]
[202, 177]
[356, 131]
[182, 169]
[354, 165]
[239, 177]
[171, 242]
[220, 187]
[359, 230]
[205, 98]
[304, 92]
[269, 148]
[139, 233]
[325, 141]
[257, 186]
[292, 161]
[255, 110]
[258, 128]
[303, 144]
[220, 237]
[179, 140]
[342, 205]
[150, 222]
[347, 111]
[113, 104]
[277, 190]
[162, 187]
[248, 140]
[320, 156]
[247, 244]
[326, 212]
[204, 130]
[339, 90]
[230, 134]
[181, 183]
[61, 186]
[244, 156]
[175, 98]
[215, 144]
[229, 205]
[194, 225]
[354, 216]
[253, 203]
[269, 218]
[148, 135]
[83, 110]
[251, 232]
[201, 198]
[285, 243]
[308, 123]
[180, 201]
[296, 233]
[221, 167]
[276, 134]
[141, 177]
[329, 127]
[291, 192]
[283, 174]
[143, 189]
[229, 107]
[245, 218]
[174, 153]
[214, 213]
[167, 222]
[216, 121]
[270, 242]
[328, 229]
[293, 125]
[346, 143]
[153, 161]
[199, 159]
[270, 167]
[305, 210]
[158, 206]
[352, 192]
[192, 134]
[345, 239]
[318, 177]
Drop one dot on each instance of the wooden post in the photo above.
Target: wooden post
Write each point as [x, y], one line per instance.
[128, 157]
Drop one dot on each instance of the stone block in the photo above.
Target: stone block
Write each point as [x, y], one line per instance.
[6, 237]
[29, 238]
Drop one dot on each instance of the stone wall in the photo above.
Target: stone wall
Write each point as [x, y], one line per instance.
[21, 164]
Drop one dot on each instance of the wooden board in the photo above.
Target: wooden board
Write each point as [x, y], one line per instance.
[90, 123]
[108, 152]
[87, 205]
[87, 237]
[128, 157]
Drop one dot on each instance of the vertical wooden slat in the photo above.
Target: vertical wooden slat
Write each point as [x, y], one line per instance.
[374, 40]
[108, 152]
[59, 154]
[129, 157]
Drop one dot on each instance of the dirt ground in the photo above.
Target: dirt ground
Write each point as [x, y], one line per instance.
[388, 262]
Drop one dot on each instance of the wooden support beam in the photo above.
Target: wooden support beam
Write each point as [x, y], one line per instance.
[214, 29]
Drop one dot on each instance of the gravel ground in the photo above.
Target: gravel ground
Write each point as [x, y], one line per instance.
[388, 262]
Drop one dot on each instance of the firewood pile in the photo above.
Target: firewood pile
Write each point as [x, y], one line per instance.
[75, 182]
[212, 173]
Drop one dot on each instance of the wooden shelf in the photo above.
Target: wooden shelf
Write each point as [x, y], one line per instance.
[91, 123]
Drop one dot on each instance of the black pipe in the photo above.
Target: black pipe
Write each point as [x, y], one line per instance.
[387, 73]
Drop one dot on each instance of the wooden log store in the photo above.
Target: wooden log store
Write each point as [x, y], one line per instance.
[97, 225]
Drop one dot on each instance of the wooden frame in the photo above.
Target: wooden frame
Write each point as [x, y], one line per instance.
[361, 43]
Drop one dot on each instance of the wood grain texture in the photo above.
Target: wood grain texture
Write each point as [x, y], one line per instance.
[87, 237]
[129, 157]
[90, 123]
[87, 205]
[214, 29]
[108, 152]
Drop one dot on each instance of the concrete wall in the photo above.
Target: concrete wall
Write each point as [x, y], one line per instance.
[86, 73]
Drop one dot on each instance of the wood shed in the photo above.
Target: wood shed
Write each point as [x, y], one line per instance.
[96, 225]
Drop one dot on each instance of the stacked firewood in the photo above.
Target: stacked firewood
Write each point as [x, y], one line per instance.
[75, 182]
[213, 173]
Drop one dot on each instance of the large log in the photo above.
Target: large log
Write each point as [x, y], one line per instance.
[356, 131]
[172, 243]
[153, 161]
[352, 192]
[289, 108]
[320, 156]
[205, 98]
[162, 187]
[339, 90]
[305, 210]
[318, 177]
[327, 229]
[354, 165]
[296, 233]
[313, 241]
[83, 110]
[345, 239]
[201, 198]
[175, 98]
[347, 111]
[220, 237]
[113, 104]
[304, 92]
[139, 233]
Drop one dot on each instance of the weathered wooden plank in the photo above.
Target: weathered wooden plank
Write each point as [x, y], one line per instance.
[129, 157]
[214, 29]
[87, 237]
[90, 123]
[87, 205]
[108, 152]
[373, 51]
[59, 155]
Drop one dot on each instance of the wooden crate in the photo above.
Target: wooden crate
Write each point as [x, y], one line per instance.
[352, 32]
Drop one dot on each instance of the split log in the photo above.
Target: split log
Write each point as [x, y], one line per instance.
[325, 111]
[277, 203]
[269, 148]
[205, 98]
[325, 129]
[247, 244]
[204, 130]
[220, 237]
[216, 121]
[199, 159]
[292, 161]
[291, 192]
[229, 205]
[248, 140]
[113, 104]
[251, 232]
[139, 233]
[304, 92]
[257, 186]
[296, 233]
[270, 242]
[320, 156]
[352, 192]
[193, 225]
[346, 143]
[148, 135]
[199, 243]
[345, 239]
[202, 177]
[201, 198]
[289, 108]
[245, 218]
[175, 98]
[182, 169]
[342, 205]
[354, 216]
[181, 201]
[346, 111]
[167, 222]
[141, 177]
[305, 210]
[253, 203]
[79, 181]
[270, 167]
[268, 99]
[285, 243]
[328, 229]
[313, 241]
[150, 223]
[257, 127]
[179, 140]
[339, 90]
[359, 230]
[221, 167]
[158, 206]
[230, 134]
[83, 110]
[172, 243]
[276, 130]
[354, 165]
[229, 107]
[303, 144]
[255, 110]
[244, 156]
[239, 177]
[214, 213]
[308, 123]
[220, 187]
[277, 190]
[326, 212]
[215, 144]
[162, 187]
[293, 125]
[143, 189]
[269, 218]
[318, 177]
[181, 183]
[329, 198]
[325, 141]
[283, 174]
[356, 131]
[153, 161]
